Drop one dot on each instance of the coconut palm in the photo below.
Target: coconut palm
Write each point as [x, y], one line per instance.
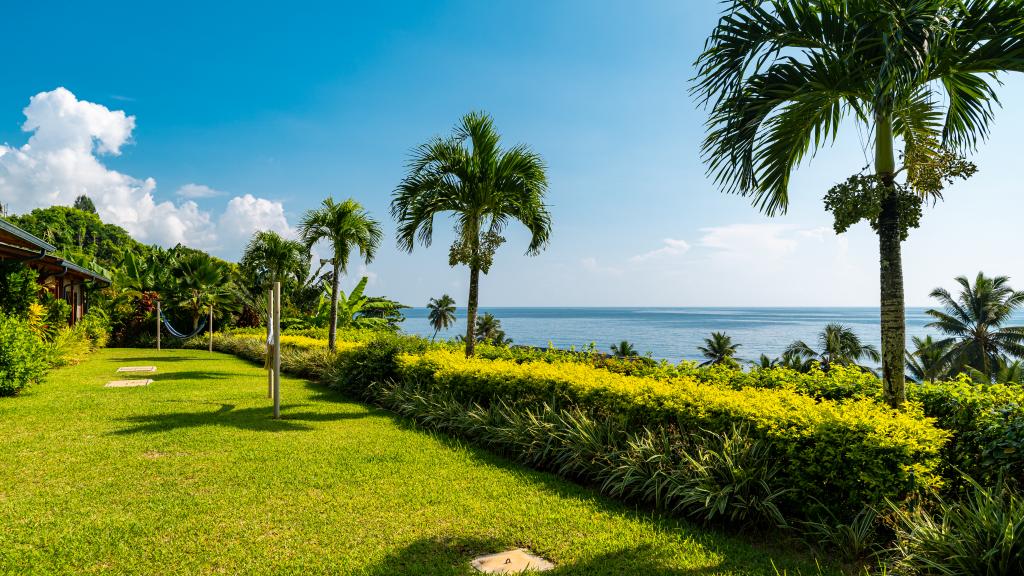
[441, 313]
[838, 345]
[719, 349]
[346, 226]
[270, 258]
[781, 76]
[928, 360]
[624, 349]
[484, 188]
[488, 329]
[973, 321]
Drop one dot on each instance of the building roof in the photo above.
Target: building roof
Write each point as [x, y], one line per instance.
[17, 244]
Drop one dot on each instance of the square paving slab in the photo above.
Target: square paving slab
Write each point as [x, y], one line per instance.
[137, 369]
[126, 383]
[511, 562]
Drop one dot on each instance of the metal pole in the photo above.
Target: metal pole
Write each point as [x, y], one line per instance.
[270, 327]
[277, 350]
[158, 325]
[211, 327]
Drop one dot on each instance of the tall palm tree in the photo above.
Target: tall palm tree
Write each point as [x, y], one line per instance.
[624, 349]
[928, 361]
[974, 320]
[346, 226]
[270, 258]
[838, 345]
[719, 349]
[441, 313]
[484, 187]
[781, 76]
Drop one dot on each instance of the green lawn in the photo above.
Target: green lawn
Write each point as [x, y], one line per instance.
[191, 475]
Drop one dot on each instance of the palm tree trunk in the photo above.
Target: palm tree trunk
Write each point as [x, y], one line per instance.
[332, 331]
[474, 292]
[893, 315]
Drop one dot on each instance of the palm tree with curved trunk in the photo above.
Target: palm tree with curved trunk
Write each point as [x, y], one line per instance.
[928, 361]
[484, 187]
[441, 313]
[719, 349]
[345, 226]
[974, 321]
[838, 345]
[781, 76]
[624, 349]
[270, 258]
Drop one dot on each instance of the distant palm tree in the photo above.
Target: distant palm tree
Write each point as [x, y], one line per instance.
[974, 320]
[484, 188]
[624, 349]
[782, 76]
[719, 349]
[488, 329]
[270, 258]
[346, 227]
[838, 345]
[442, 313]
[928, 360]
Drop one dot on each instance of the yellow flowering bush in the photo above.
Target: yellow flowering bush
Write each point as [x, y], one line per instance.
[841, 455]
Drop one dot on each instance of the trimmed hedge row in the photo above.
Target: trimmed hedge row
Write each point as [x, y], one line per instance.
[837, 455]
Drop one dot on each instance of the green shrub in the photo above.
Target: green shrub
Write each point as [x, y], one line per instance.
[68, 346]
[96, 327]
[22, 356]
[981, 534]
[376, 361]
[842, 455]
[987, 426]
[18, 288]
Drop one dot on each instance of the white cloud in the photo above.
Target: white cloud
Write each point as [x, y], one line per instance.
[61, 161]
[590, 264]
[197, 191]
[763, 240]
[670, 247]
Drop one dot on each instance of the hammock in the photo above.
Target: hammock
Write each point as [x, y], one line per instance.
[181, 335]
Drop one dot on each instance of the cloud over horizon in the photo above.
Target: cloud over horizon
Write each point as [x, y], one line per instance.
[62, 160]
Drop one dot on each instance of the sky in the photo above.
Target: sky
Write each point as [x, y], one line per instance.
[204, 122]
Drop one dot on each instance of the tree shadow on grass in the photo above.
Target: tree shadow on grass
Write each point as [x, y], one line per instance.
[197, 375]
[452, 556]
[154, 358]
[227, 415]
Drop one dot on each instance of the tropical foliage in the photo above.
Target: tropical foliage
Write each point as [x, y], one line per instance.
[781, 77]
[441, 313]
[719, 349]
[838, 345]
[973, 322]
[484, 187]
[624, 349]
[346, 227]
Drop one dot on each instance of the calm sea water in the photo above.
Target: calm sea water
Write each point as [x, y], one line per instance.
[675, 333]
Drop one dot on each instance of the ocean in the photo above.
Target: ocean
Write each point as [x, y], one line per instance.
[675, 333]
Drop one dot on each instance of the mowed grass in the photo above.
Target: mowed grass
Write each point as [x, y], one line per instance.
[190, 475]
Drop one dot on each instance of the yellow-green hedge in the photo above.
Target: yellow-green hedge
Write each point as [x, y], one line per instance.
[842, 455]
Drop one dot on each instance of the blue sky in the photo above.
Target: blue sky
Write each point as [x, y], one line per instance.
[275, 106]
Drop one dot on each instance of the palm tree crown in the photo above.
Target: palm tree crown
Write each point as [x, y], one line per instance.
[838, 345]
[781, 76]
[973, 322]
[441, 313]
[346, 226]
[928, 361]
[271, 258]
[624, 349]
[484, 187]
[719, 349]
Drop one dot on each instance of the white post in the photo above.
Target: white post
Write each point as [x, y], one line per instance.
[158, 325]
[277, 350]
[270, 343]
[211, 327]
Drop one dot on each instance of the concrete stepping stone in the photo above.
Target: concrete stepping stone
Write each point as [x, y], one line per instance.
[137, 369]
[127, 383]
[511, 562]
